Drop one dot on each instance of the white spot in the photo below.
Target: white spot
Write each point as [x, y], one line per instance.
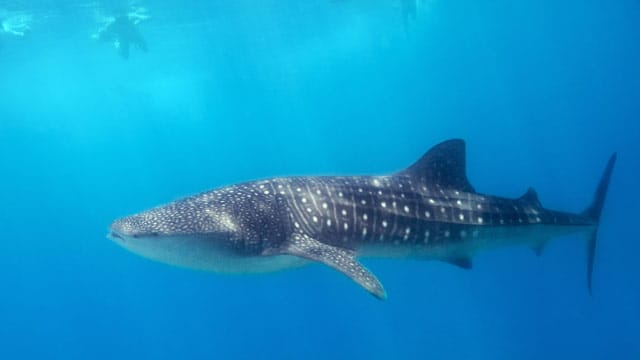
[364, 231]
[318, 192]
[340, 194]
[344, 212]
[308, 209]
[298, 189]
[363, 202]
[456, 192]
[407, 230]
[328, 222]
[538, 219]
[480, 220]
[431, 201]
[304, 200]
[296, 224]
[479, 206]
[359, 190]
[379, 192]
[376, 182]
[365, 217]
[266, 192]
[442, 210]
[324, 205]
[383, 204]
[346, 226]
[394, 204]
[315, 219]
[406, 209]
[427, 214]
[458, 202]
[461, 217]
[261, 186]
[384, 223]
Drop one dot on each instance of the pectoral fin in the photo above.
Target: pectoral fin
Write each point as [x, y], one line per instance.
[338, 258]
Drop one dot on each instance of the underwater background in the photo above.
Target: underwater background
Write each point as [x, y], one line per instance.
[229, 91]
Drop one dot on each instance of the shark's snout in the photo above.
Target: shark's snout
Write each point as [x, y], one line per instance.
[148, 224]
[116, 231]
[115, 236]
[121, 227]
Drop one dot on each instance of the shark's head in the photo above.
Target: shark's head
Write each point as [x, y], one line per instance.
[178, 219]
[207, 231]
[181, 232]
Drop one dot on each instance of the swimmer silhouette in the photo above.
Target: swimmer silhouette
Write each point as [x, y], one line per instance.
[123, 33]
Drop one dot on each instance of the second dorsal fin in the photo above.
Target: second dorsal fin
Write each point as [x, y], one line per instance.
[531, 197]
[444, 165]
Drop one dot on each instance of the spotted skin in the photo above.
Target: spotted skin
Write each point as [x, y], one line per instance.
[428, 211]
[353, 211]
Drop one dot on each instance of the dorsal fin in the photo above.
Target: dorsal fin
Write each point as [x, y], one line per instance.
[531, 197]
[444, 165]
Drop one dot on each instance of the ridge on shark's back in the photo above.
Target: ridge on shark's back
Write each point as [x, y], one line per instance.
[427, 211]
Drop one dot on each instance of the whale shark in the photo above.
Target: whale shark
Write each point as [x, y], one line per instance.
[427, 211]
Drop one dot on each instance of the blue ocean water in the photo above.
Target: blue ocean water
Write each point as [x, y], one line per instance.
[228, 91]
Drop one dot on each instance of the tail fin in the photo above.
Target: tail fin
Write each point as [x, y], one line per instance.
[595, 209]
[593, 212]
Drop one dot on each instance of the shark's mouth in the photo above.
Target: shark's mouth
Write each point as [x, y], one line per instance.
[114, 235]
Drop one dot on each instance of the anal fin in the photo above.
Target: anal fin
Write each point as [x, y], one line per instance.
[538, 248]
[338, 258]
[461, 262]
